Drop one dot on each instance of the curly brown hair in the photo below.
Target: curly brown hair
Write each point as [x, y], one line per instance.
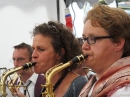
[115, 21]
[61, 37]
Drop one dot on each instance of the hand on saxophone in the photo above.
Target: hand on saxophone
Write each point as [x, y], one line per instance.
[17, 93]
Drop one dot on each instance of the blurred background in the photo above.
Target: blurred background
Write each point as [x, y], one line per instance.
[19, 17]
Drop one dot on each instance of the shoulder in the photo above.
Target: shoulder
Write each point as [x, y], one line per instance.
[80, 79]
[79, 82]
[76, 85]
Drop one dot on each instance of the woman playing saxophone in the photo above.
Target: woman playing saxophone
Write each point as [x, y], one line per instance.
[53, 44]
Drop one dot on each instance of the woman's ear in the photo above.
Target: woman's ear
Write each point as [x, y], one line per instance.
[61, 54]
[62, 51]
[120, 44]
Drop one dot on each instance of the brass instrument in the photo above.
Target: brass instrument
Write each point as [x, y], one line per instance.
[6, 74]
[2, 70]
[12, 82]
[57, 68]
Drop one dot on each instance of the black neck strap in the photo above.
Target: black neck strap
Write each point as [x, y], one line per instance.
[60, 80]
[57, 83]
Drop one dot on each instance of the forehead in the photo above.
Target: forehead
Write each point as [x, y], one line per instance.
[41, 41]
[90, 30]
[20, 52]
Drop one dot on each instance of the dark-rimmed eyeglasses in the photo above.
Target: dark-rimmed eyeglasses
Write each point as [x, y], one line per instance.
[92, 40]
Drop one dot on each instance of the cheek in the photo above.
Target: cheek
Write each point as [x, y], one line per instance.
[45, 63]
[36, 69]
[103, 50]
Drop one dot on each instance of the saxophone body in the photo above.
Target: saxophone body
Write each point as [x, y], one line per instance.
[52, 71]
[12, 82]
[9, 72]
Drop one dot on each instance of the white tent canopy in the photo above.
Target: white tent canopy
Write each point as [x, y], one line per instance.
[17, 20]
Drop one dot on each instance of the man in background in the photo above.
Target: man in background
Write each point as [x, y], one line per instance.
[21, 55]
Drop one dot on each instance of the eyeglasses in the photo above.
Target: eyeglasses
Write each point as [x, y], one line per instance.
[92, 40]
[52, 26]
[18, 59]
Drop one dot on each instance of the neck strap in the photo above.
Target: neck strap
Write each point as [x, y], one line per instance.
[57, 83]
[60, 80]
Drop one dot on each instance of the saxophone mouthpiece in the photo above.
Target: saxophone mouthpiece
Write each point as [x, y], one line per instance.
[28, 65]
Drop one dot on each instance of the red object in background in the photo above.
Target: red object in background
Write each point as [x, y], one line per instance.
[68, 19]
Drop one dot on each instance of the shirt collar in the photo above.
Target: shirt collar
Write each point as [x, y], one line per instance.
[33, 78]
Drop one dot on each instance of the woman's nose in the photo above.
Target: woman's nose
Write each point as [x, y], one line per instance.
[85, 46]
[34, 54]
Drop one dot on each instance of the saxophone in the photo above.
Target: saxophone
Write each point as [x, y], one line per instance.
[57, 68]
[6, 74]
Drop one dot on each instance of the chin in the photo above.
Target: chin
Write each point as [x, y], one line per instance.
[37, 71]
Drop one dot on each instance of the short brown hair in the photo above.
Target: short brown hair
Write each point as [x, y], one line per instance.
[115, 21]
[25, 46]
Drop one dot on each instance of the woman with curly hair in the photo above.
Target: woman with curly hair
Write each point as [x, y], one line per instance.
[53, 44]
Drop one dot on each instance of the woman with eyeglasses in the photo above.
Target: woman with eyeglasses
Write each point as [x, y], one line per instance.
[53, 44]
[106, 41]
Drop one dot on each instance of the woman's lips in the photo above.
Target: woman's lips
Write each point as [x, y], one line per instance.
[86, 56]
[35, 63]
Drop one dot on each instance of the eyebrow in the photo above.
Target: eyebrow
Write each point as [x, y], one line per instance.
[39, 45]
[89, 35]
